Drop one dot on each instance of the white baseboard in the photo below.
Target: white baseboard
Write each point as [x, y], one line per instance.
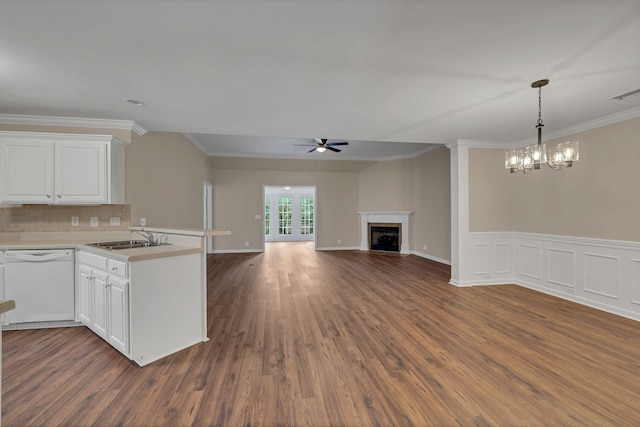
[236, 251]
[339, 248]
[431, 257]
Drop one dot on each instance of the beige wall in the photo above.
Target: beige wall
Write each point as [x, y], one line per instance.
[238, 197]
[431, 195]
[164, 180]
[422, 185]
[164, 175]
[599, 197]
[386, 186]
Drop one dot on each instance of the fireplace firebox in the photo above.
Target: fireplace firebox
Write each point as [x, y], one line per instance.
[385, 237]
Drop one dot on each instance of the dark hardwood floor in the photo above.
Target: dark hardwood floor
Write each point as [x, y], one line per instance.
[345, 338]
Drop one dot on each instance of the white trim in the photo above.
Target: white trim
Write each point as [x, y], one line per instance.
[583, 301]
[431, 257]
[235, 251]
[16, 119]
[401, 217]
[609, 243]
[48, 136]
[581, 127]
[478, 144]
[339, 248]
[196, 142]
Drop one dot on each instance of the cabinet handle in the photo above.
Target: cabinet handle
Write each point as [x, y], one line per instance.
[48, 196]
[59, 196]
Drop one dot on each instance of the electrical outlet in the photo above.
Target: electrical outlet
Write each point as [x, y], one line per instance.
[114, 221]
[258, 216]
[425, 247]
[339, 241]
[93, 221]
[246, 243]
[143, 222]
[75, 221]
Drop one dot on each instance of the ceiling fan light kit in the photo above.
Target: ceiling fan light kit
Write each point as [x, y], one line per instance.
[532, 156]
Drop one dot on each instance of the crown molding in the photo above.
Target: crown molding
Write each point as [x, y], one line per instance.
[581, 127]
[477, 144]
[196, 142]
[16, 119]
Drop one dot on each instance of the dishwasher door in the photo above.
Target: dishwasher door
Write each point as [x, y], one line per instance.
[41, 282]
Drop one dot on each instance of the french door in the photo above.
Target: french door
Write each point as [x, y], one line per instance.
[289, 217]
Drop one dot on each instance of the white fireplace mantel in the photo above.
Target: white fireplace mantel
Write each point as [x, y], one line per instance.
[401, 217]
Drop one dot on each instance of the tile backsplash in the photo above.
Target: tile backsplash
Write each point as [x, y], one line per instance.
[30, 218]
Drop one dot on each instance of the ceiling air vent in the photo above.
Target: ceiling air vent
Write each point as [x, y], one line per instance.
[627, 95]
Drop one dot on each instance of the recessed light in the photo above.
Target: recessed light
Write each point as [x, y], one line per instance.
[287, 188]
[136, 102]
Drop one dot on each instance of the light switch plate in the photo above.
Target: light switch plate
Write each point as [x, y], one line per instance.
[114, 221]
[93, 221]
[75, 221]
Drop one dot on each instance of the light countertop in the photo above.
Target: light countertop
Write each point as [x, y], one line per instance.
[7, 305]
[79, 240]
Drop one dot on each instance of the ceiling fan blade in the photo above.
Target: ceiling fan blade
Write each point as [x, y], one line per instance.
[312, 150]
[333, 149]
[304, 145]
[337, 143]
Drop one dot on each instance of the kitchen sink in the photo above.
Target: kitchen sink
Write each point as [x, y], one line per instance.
[125, 244]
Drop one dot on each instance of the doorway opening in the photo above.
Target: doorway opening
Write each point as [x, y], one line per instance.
[290, 214]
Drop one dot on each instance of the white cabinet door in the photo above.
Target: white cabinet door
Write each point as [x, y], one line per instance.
[99, 303]
[118, 314]
[84, 294]
[80, 172]
[26, 171]
[2, 286]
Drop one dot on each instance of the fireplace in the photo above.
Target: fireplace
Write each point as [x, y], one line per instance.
[397, 219]
[384, 237]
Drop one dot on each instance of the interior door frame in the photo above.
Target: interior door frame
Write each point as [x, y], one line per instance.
[207, 213]
[314, 191]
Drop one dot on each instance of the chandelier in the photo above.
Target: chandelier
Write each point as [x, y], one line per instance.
[532, 156]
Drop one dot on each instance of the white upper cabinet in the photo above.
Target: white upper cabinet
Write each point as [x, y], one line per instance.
[71, 169]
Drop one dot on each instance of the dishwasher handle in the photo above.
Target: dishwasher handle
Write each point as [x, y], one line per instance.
[17, 256]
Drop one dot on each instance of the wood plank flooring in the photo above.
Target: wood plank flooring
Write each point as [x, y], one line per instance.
[348, 338]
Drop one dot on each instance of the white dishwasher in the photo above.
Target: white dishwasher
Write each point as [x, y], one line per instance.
[41, 282]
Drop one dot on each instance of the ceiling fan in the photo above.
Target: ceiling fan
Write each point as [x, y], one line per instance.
[321, 145]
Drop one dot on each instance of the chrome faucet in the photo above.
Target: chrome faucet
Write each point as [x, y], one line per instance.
[153, 240]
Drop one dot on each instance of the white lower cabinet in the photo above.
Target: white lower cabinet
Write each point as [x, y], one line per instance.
[146, 308]
[84, 294]
[103, 300]
[99, 309]
[118, 314]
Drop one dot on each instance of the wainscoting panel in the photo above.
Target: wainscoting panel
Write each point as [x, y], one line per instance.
[561, 267]
[529, 261]
[599, 273]
[501, 255]
[481, 259]
[635, 281]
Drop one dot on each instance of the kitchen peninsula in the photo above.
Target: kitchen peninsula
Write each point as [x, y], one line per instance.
[147, 302]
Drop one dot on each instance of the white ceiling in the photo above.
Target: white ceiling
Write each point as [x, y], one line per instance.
[366, 71]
